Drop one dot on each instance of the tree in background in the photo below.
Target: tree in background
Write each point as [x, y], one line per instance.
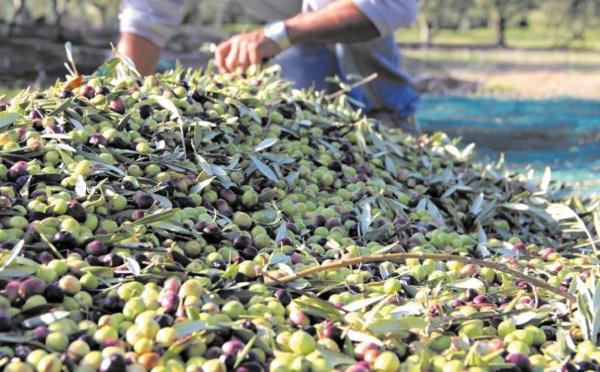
[567, 20]
[504, 12]
[435, 15]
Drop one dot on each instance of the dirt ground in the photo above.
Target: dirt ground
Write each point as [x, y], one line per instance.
[509, 73]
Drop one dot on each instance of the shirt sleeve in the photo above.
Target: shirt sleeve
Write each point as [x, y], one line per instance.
[389, 15]
[153, 19]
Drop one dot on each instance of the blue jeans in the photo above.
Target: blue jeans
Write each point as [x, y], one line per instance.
[308, 66]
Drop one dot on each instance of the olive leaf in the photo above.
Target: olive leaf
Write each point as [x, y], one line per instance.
[334, 358]
[266, 143]
[45, 319]
[360, 304]
[264, 168]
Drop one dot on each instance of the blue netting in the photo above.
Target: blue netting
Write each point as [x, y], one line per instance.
[561, 133]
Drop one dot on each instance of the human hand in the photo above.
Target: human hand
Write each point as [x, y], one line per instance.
[242, 50]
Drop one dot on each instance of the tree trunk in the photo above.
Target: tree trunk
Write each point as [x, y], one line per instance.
[220, 14]
[20, 12]
[424, 30]
[498, 20]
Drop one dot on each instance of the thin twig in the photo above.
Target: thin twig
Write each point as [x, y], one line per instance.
[433, 256]
[350, 87]
[292, 289]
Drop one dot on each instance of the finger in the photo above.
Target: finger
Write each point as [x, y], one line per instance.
[243, 55]
[253, 54]
[232, 59]
[220, 54]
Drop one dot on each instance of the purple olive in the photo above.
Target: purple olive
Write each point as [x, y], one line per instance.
[113, 304]
[122, 219]
[53, 293]
[169, 301]
[408, 279]
[284, 241]
[97, 139]
[348, 158]
[520, 247]
[249, 253]
[118, 106]
[145, 110]
[319, 220]
[293, 228]
[184, 201]
[147, 132]
[109, 342]
[77, 211]
[212, 234]
[229, 196]
[361, 177]
[164, 320]
[129, 185]
[66, 93]
[283, 296]
[40, 333]
[93, 261]
[87, 91]
[364, 169]
[113, 363]
[481, 299]
[5, 323]
[335, 165]
[118, 143]
[31, 287]
[11, 291]
[520, 360]
[144, 201]
[136, 215]
[112, 260]
[44, 257]
[470, 294]
[102, 90]
[19, 169]
[218, 264]
[22, 351]
[232, 346]
[332, 222]
[358, 367]
[64, 240]
[242, 242]
[96, 248]
[36, 114]
[88, 339]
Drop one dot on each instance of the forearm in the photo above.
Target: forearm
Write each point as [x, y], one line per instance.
[339, 22]
[143, 52]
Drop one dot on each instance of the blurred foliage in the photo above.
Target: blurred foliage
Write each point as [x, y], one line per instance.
[564, 21]
[103, 14]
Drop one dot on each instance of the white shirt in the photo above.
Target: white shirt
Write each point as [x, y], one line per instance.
[158, 19]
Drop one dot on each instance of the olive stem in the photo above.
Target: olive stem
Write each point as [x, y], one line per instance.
[433, 256]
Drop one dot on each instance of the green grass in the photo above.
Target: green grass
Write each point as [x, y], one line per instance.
[530, 38]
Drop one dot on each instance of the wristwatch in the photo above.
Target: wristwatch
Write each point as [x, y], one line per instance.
[277, 32]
